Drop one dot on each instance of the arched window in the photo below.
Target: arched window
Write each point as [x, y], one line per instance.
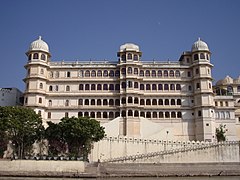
[148, 87]
[117, 87]
[123, 57]
[98, 114]
[81, 73]
[99, 87]
[111, 73]
[93, 73]
[166, 87]
[117, 102]
[117, 73]
[148, 115]
[68, 74]
[136, 71]
[87, 87]
[80, 102]
[147, 73]
[86, 102]
[171, 73]
[130, 113]
[202, 56]
[172, 87]
[111, 87]
[227, 115]
[80, 87]
[153, 73]
[154, 114]
[159, 73]
[41, 85]
[160, 87]
[160, 102]
[154, 87]
[43, 57]
[229, 90]
[166, 102]
[40, 100]
[67, 88]
[179, 114]
[93, 87]
[56, 87]
[178, 87]
[123, 71]
[141, 101]
[29, 57]
[111, 115]
[167, 114]
[154, 102]
[177, 73]
[35, 56]
[80, 114]
[105, 73]
[105, 102]
[173, 114]
[165, 73]
[160, 114]
[49, 103]
[135, 57]
[99, 73]
[92, 102]
[87, 73]
[141, 73]
[105, 87]
[123, 113]
[142, 114]
[67, 102]
[148, 102]
[136, 114]
[195, 57]
[123, 101]
[129, 56]
[130, 100]
[141, 86]
[129, 70]
[172, 101]
[238, 89]
[135, 100]
[123, 85]
[179, 102]
[92, 114]
[136, 85]
[99, 102]
[86, 114]
[130, 84]
[111, 102]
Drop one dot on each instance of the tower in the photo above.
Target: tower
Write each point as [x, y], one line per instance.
[203, 92]
[37, 74]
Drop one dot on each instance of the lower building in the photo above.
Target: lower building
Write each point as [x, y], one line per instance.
[11, 97]
[129, 97]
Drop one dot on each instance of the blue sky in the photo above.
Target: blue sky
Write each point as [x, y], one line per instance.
[94, 29]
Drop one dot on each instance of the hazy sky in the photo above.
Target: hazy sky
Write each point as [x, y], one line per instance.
[95, 29]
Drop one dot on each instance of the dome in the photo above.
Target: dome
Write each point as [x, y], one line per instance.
[226, 81]
[129, 47]
[237, 81]
[199, 45]
[39, 45]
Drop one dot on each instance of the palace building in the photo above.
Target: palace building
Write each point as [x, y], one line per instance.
[132, 97]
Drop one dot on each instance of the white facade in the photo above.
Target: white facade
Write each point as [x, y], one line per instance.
[10, 97]
[131, 97]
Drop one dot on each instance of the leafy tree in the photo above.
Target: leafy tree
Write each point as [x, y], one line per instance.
[77, 133]
[22, 126]
[220, 133]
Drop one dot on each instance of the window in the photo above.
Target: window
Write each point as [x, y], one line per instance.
[172, 87]
[87, 73]
[142, 102]
[93, 87]
[123, 113]
[49, 115]
[92, 114]
[165, 73]
[66, 114]
[179, 114]
[105, 73]
[202, 56]
[81, 73]
[43, 57]
[130, 84]
[190, 88]
[87, 87]
[199, 113]
[171, 73]
[99, 87]
[80, 114]
[136, 114]
[129, 70]
[172, 101]
[67, 102]
[135, 57]
[35, 56]
[177, 73]
[141, 73]
[147, 73]
[130, 113]
[86, 114]
[49, 103]
[98, 114]
[67, 88]
[148, 102]
[86, 102]
[160, 87]
[142, 114]
[178, 87]
[123, 100]
[160, 102]
[111, 73]
[93, 73]
[41, 85]
[197, 71]
[99, 73]
[148, 115]
[99, 102]
[135, 100]
[136, 85]
[130, 100]
[123, 85]
[80, 102]
[166, 102]
[80, 87]
[227, 115]
[154, 73]
[129, 56]
[195, 57]
[189, 74]
[167, 114]
[136, 71]
[148, 87]
[160, 114]
[141, 86]
[29, 57]
[111, 102]
[92, 102]
[40, 100]
[154, 102]
[198, 86]
[117, 73]
[179, 102]
[123, 71]
[154, 114]
[117, 102]
[68, 74]
[159, 73]
[56, 87]
[166, 87]
[154, 87]
[238, 89]
[123, 57]
[111, 115]
[173, 114]
[105, 87]
[117, 87]
[111, 87]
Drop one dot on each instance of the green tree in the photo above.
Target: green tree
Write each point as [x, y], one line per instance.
[22, 126]
[220, 133]
[77, 133]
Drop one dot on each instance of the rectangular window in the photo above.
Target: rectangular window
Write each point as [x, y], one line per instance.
[199, 113]
[49, 115]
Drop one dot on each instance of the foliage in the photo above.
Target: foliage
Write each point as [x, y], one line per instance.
[220, 133]
[77, 133]
[22, 126]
